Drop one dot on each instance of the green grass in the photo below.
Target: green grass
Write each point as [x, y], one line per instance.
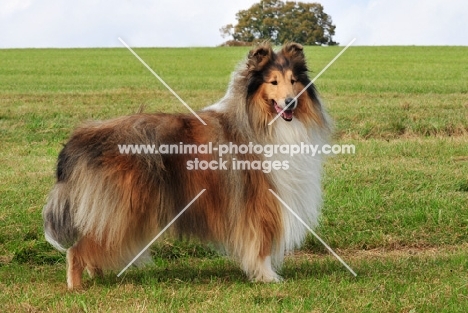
[396, 211]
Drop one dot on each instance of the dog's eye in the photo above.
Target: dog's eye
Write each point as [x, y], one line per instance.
[274, 82]
[292, 81]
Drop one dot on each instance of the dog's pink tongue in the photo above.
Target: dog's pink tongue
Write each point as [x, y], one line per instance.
[287, 114]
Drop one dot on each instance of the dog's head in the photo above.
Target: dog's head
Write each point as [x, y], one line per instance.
[276, 79]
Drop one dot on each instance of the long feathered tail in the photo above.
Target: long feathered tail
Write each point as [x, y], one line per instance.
[58, 219]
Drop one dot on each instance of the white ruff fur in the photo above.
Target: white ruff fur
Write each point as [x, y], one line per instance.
[299, 186]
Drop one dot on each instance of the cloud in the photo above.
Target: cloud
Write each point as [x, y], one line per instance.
[178, 23]
[7, 8]
[84, 23]
[401, 22]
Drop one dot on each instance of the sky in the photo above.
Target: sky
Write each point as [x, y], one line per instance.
[177, 23]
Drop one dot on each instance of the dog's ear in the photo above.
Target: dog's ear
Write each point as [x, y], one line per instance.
[259, 57]
[293, 50]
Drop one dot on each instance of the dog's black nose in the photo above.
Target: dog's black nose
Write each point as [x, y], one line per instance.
[290, 103]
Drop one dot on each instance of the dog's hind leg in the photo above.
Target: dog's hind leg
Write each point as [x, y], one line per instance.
[84, 254]
[75, 267]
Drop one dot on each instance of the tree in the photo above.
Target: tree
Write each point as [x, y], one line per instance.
[279, 22]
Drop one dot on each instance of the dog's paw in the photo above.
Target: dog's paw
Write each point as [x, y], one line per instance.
[267, 278]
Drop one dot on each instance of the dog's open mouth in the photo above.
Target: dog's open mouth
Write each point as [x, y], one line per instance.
[287, 115]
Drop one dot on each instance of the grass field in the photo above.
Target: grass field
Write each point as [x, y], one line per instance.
[396, 211]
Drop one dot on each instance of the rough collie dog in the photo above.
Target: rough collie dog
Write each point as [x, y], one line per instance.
[106, 206]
